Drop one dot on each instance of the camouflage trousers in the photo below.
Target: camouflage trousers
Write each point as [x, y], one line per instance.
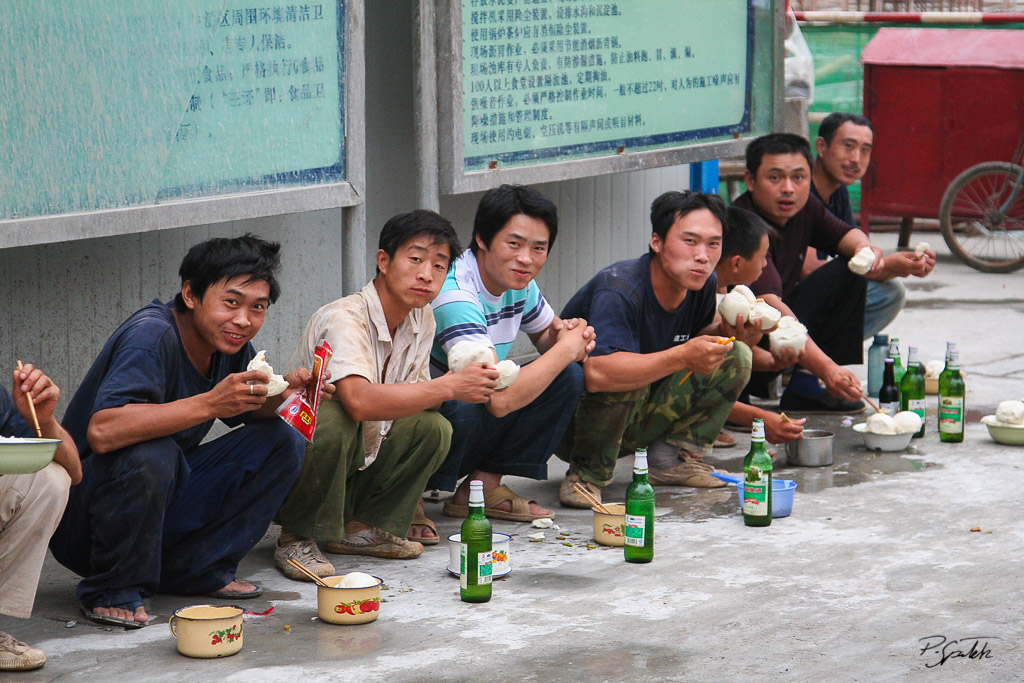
[608, 426]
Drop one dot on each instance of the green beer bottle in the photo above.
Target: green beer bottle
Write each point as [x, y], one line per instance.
[639, 527]
[912, 388]
[476, 559]
[951, 400]
[757, 480]
[897, 365]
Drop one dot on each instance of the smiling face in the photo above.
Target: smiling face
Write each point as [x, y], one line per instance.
[413, 277]
[846, 160]
[781, 186]
[691, 249]
[516, 254]
[230, 314]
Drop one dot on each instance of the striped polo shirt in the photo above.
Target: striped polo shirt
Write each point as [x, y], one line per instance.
[466, 311]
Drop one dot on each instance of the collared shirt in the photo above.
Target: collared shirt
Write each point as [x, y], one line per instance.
[357, 331]
[812, 226]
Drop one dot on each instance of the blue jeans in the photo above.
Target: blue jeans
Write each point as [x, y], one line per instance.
[151, 518]
[884, 302]
[519, 443]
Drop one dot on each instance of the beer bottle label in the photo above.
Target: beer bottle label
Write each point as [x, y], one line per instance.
[635, 527]
[485, 564]
[890, 409]
[755, 498]
[916, 405]
[463, 569]
[951, 414]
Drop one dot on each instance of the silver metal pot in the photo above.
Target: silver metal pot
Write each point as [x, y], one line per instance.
[813, 449]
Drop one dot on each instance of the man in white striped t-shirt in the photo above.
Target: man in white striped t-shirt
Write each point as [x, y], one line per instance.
[488, 297]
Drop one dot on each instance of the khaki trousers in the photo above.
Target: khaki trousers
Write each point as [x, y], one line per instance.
[31, 506]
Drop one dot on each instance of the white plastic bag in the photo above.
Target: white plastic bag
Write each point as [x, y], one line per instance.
[799, 62]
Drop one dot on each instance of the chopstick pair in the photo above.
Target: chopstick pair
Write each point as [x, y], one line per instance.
[313, 577]
[582, 490]
[32, 408]
[863, 395]
[721, 340]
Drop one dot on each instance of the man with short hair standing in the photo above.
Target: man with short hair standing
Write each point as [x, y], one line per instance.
[662, 375]
[490, 296]
[381, 437]
[158, 510]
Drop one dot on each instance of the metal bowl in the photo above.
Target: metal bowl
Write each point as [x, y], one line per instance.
[813, 449]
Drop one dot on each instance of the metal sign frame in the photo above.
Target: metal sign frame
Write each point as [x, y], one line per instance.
[179, 213]
[454, 179]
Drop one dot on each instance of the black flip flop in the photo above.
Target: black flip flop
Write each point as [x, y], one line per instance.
[236, 595]
[107, 620]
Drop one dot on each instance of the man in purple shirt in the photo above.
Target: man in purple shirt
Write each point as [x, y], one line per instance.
[830, 301]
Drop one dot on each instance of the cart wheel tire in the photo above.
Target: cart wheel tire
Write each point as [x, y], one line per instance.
[971, 224]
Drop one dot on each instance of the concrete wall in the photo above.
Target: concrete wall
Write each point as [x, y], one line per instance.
[62, 301]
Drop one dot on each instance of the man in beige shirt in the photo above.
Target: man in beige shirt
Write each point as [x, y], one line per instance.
[379, 440]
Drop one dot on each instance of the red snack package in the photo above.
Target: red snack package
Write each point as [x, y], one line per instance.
[300, 410]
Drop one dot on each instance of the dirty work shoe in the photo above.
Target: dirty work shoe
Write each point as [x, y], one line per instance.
[306, 553]
[375, 543]
[689, 473]
[568, 497]
[822, 404]
[18, 656]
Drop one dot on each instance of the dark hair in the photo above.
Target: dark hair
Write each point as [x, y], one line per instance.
[223, 258]
[670, 206]
[745, 232]
[500, 204]
[776, 143]
[831, 123]
[400, 229]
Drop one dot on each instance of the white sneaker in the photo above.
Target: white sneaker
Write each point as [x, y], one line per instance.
[18, 656]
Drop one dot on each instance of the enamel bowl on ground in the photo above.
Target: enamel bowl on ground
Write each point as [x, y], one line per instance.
[337, 605]
[500, 544]
[608, 528]
[1011, 435]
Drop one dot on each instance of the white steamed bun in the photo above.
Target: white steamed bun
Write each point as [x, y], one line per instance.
[357, 580]
[466, 353]
[862, 261]
[880, 423]
[908, 421]
[1010, 412]
[277, 383]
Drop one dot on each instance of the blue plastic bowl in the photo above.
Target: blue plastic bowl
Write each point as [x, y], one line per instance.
[782, 496]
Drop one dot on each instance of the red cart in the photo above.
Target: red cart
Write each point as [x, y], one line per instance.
[940, 101]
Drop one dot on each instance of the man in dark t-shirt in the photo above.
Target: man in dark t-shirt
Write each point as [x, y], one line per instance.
[830, 302]
[157, 509]
[659, 377]
[843, 152]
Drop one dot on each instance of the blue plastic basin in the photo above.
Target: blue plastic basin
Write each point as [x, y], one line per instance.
[782, 496]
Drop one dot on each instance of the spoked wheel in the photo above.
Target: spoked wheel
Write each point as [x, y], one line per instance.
[977, 224]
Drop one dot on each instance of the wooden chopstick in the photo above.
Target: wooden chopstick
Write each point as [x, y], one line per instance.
[863, 395]
[721, 340]
[32, 408]
[582, 490]
[308, 573]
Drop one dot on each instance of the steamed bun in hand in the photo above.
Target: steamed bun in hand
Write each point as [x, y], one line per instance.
[508, 370]
[738, 302]
[766, 313]
[790, 333]
[277, 383]
[862, 261]
[468, 352]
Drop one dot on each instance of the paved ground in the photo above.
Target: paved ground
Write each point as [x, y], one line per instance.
[878, 555]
